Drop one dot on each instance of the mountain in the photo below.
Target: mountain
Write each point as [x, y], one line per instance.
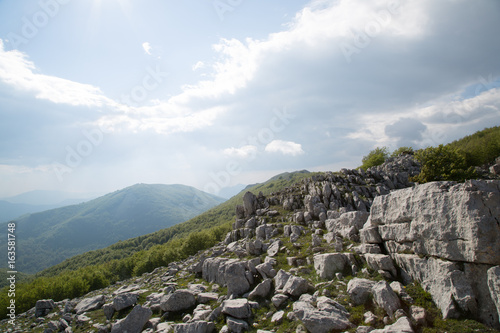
[50, 198]
[38, 201]
[47, 238]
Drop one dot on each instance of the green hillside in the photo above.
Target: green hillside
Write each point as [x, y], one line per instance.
[47, 238]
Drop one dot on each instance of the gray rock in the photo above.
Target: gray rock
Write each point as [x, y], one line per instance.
[236, 325]
[381, 262]
[419, 315]
[279, 299]
[262, 290]
[134, 322]
[360, 290]
[227, 272]
[319, 321]
[266, 270]
[402, 325]
[370, 235]
[249, 204]
[207, 297]
[124, 300]
[43, 307]
[385, 297]
[327, 264]
[90, 304]
[277, 317]
[453, 221]
[238, 308]
[179, 300]
[296, 286]
[281, 279]
[195, 327]
[348, 224]
[494, 286]
[274, 248]
[109, 310]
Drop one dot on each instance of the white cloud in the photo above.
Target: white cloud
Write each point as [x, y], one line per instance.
[19, 72]
[198, 65]
[147, 48]
[284, 147]
[247, 151]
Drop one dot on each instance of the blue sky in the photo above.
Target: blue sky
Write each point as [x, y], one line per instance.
[96, 95]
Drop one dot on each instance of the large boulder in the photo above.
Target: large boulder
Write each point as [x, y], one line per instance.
[446, 283]
[124, 300]
[249, 203]
[43, 307]
[457, 222]
[360, 290]
[348, 224]
[327, 264]
[385, 297]
[227, 272]
[320, 321]
[179, 300]
[90, 304]
[238, 308]
[134, 322]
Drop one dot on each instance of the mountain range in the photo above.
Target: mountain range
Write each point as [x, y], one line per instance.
[47, 238]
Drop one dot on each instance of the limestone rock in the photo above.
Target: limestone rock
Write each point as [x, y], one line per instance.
[90, 304]
[124, 300]
[385, 297]
[494, 286]
[43, 307]
[402, 325]
[381, 262]
[296, 286]
[199, 326]
[327, 264]
[134, 322]
[249, 204]
[457, 222]
[238, 308]
[236, 325]
[261, 290]
[360, 290]
[179, 300]
[319, 321]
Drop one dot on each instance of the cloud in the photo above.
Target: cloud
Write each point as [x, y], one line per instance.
[284, 147]
[408, 131]
[147, 48]
[19, 72]
[247, 151]
[198, 65]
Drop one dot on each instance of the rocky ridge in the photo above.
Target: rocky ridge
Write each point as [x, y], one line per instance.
[337, 252]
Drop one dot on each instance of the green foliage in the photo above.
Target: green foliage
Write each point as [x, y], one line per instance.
[443, 163]
[402, 150]
[481, 147]
[375, 157]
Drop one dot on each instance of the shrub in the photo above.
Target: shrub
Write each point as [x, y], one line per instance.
[443, 163]
[375, 157]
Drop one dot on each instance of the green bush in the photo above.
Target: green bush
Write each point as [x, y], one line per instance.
[375, 157]
[402, 150]
[443, 163]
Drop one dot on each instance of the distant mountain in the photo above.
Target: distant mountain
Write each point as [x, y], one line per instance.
[231, 191]
[47, 238]
[50, 198]
[38, 201]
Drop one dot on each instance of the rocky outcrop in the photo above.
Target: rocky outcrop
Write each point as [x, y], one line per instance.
[445, 236]
[286, 260]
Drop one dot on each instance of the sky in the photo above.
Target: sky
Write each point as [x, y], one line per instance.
[97, 95]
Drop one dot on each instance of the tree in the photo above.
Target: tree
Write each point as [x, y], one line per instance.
[442, 163]
[402, 150]
[375, 157]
